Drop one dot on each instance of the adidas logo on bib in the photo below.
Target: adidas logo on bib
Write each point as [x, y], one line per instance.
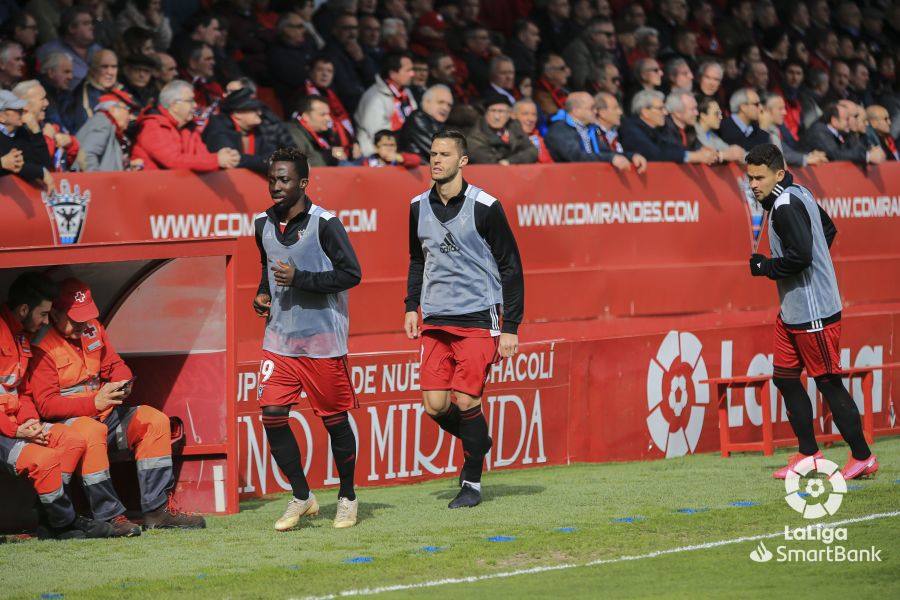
[448, 245]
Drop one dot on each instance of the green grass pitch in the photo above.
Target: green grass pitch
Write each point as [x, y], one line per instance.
[559, 517]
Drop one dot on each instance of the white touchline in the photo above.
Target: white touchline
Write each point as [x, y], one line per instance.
[599, 561]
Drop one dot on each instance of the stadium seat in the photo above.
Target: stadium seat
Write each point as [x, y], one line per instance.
[267, 95]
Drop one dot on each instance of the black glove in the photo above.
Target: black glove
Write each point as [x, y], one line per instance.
[759, 265]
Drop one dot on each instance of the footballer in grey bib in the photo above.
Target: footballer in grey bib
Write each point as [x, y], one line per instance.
[461, 275]
[304, 323]
[812, 294]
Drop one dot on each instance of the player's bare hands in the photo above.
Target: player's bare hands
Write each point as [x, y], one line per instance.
[509, 344]
[108, 396]
[284, 273]
[411, 324]
[261, 304]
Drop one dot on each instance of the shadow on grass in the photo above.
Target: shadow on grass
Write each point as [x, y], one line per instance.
[492, 492]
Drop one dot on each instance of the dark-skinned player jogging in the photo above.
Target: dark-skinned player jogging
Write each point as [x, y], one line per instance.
[308, 265]
[465, 274]
[808, 328]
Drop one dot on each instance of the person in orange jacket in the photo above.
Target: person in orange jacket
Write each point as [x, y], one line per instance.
[47, 454]
[77, 377]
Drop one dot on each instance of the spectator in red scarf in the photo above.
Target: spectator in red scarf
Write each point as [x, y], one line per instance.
[104, 145]
[387, 103]
[199, 70]
[550, 92]
[442, 69]
[428, 29]
[168, 138]
[524, 112]
[880, 125]
[238, 127]
[703, 24]
[321, 76]
[309, 130]
[476, 57]
[791, 82]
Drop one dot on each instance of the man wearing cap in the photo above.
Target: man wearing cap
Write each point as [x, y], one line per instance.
[237, 126]
[104, 145]
[138, 70]
[47, 454]
[23, 152]
[496, 139]
[77, 377]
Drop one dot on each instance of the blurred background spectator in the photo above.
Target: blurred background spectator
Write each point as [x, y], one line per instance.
[818, 78]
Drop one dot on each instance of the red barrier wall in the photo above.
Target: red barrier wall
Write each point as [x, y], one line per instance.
[614, 262]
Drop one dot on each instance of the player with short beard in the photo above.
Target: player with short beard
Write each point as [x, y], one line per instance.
[808, 328]
[465, 273]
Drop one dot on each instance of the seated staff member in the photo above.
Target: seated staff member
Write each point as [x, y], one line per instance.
[46, 454]
[77, 373]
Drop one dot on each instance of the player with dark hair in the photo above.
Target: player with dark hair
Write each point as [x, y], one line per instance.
[466, 275]
[308, 265]
[808, 328]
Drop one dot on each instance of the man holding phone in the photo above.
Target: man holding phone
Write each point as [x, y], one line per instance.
[77, 377]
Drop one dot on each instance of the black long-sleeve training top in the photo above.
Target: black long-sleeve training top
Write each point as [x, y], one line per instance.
[491, 224]
[346, 272]
[794, 228]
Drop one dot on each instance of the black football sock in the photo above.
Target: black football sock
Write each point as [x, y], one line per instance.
[343, 447]
[285, 450]
[845, 414]
[799, 410]
[449, 420]
[473, 431]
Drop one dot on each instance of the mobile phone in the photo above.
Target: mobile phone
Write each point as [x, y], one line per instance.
[125, 385]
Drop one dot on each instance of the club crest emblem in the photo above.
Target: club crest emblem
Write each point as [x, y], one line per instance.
[67, 208]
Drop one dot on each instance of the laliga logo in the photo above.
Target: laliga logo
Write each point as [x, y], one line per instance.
[675, 397]
[815, 488]
[67, 210]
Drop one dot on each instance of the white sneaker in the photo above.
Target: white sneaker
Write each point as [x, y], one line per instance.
[296, 509]
[346, 513]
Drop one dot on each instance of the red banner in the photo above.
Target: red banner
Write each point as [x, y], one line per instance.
[635, 286]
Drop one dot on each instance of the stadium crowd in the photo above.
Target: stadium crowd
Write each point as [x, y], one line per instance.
[108, 85]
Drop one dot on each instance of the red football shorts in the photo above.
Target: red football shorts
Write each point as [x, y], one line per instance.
[818, 351]
[326, 382]
[457, 358]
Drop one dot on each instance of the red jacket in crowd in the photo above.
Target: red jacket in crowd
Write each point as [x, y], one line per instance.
[162, 145]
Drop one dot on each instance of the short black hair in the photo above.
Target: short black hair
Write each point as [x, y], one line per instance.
[31, 288]
[292, 155]
[68, 16]
[304, 104]
[457, 136]
[830, 111]
[766, 154]
[393, 62]
[384, 133]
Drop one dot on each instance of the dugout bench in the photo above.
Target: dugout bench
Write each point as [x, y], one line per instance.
[169, 309]
[823, 418]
